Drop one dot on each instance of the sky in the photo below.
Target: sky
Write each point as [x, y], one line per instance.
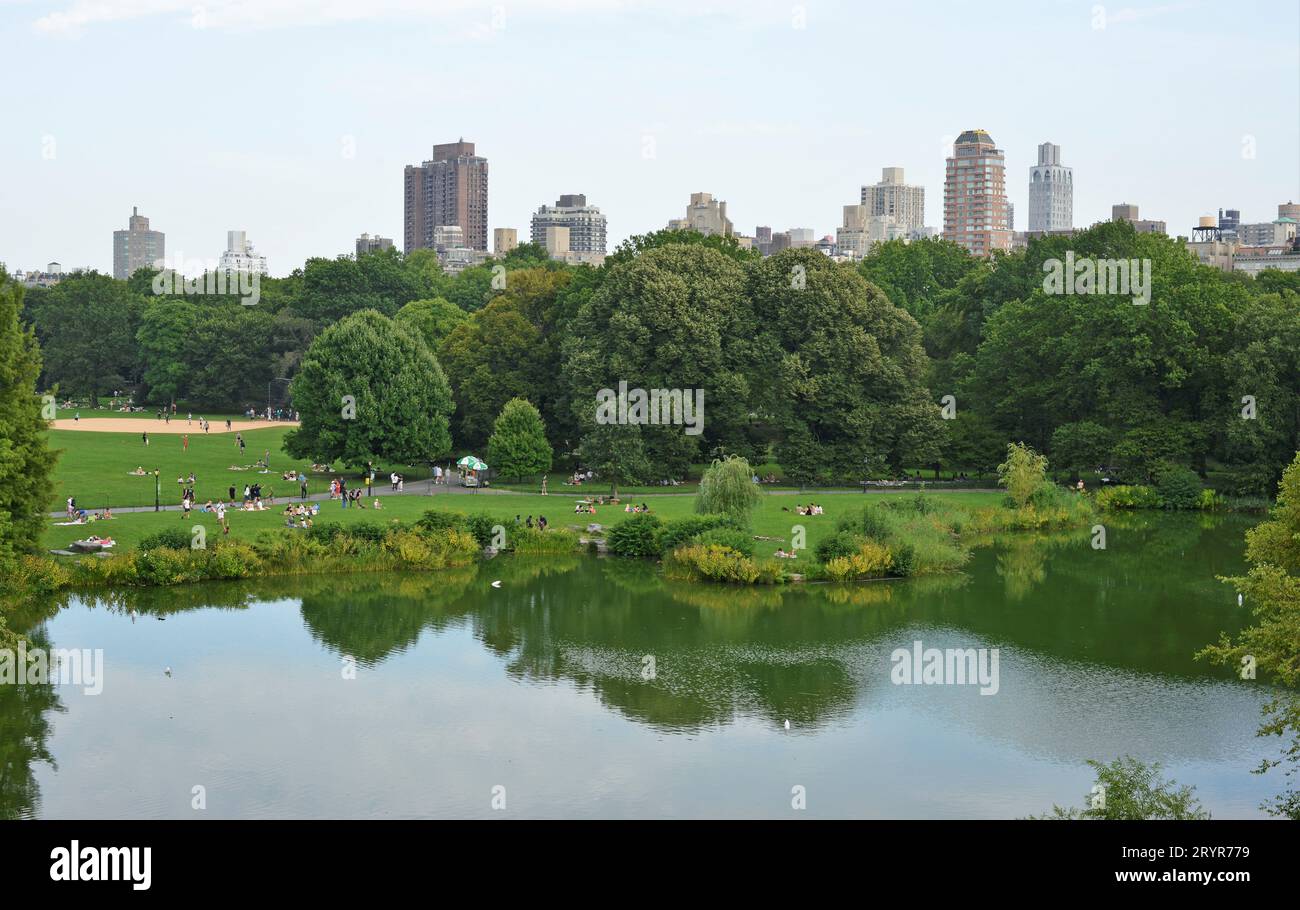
[292, 119]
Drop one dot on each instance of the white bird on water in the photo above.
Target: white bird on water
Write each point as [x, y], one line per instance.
[787, 725]
[1238, 600]
[496, 584]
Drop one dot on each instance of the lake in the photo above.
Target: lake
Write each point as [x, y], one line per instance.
[584, 687]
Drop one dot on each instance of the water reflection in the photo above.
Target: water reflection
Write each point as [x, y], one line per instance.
[1096, 649]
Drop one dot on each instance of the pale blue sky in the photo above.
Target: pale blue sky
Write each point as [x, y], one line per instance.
[243, 122]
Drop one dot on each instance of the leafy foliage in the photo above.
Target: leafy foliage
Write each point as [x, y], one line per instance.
[370, 390]
[1131, 790]
[518, 446]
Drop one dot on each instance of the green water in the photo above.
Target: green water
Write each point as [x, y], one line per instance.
[542, 686]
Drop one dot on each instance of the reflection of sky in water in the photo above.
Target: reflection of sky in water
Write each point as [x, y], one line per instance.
[257, 711]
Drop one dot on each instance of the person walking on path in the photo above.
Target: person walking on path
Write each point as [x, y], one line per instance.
[227, 424]
[543, 484]
[302, 483]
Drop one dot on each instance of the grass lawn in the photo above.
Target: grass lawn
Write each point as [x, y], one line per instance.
[770, 519]
[95, 467]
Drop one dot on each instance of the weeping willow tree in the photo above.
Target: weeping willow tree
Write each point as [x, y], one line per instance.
[728, 488]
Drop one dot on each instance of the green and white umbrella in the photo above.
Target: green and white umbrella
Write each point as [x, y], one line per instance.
[473, 463]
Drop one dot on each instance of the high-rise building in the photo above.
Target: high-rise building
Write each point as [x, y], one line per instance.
[449, 189]
[1126, 212]
[1229, 221]
[585, 223]
[862, 230]
[137, 247]
[801, 238]
[1281, 232]
[504, 240]
[239, 255]
[975, 213]
[894, 198]
[704, 214]
[1051, 192]
[368, 244]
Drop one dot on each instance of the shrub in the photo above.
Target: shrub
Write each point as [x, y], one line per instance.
[451, 548]
[1209, 500]
[1023, 473]
[1127, 497]
[480, 525]
[530, 541]
[232, 559]
[672, 534]
[839, 545]
[29, 575]
[904, 560]
[440, 520]
[168, 538]
[1178, 487]
[740, 541]
[369, 531]
[167, 566]
[635, 537]
[713, 562]
[411, 548]
[872, 560]
[870, 522]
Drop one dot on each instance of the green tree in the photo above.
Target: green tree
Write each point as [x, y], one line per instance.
[166, 326]
[26, 462]
[433, 320]
[728, 488]
[1271, 643]
[369, 389]
[1024, 473]
[509, 349]
[674, 317]
[518, 446]
[1131, 790]
[838, 370]
[918, 276]
[87, 327]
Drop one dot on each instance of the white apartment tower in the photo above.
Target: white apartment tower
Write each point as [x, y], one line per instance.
[239, 255]
[1051, 192]
[894, 198]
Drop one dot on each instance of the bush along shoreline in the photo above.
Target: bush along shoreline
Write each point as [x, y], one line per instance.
[437, 540]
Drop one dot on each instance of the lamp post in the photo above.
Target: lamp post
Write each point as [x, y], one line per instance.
[157, 489]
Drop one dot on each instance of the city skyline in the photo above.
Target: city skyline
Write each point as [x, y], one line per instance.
[321, 168]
